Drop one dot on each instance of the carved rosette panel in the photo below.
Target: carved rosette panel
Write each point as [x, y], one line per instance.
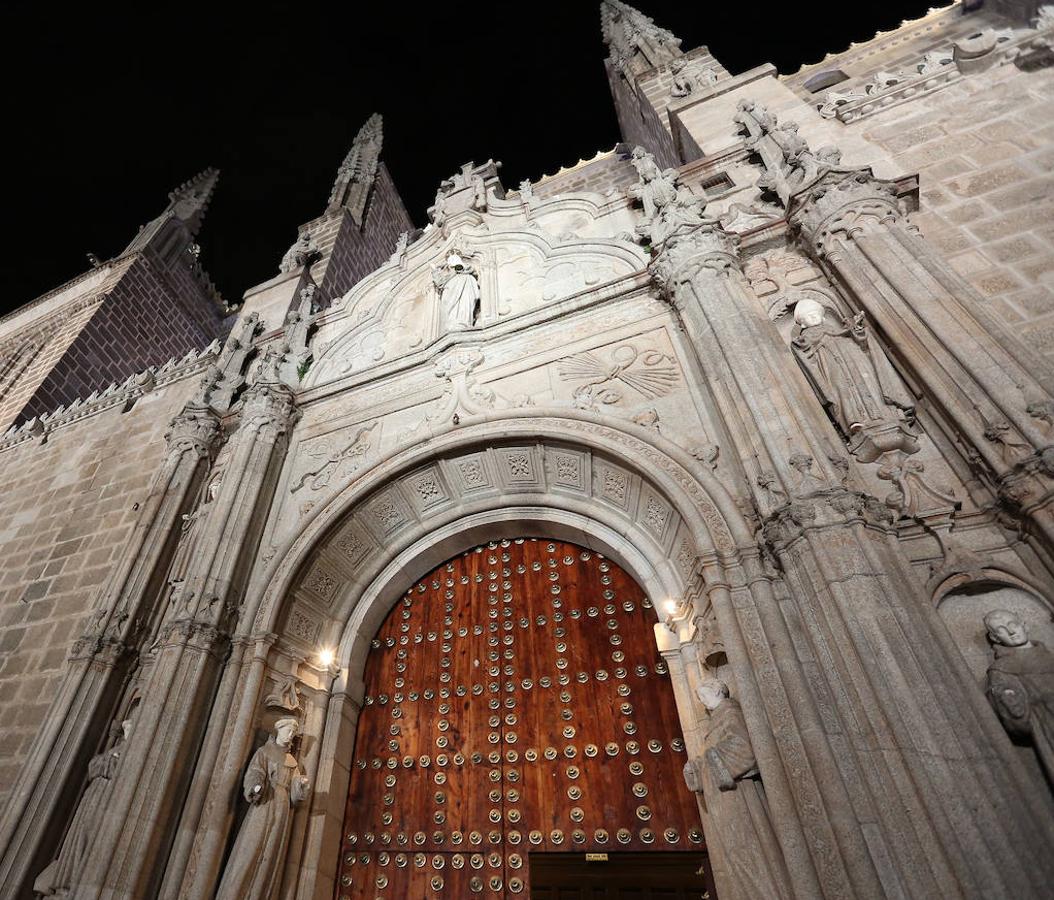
[516, 704]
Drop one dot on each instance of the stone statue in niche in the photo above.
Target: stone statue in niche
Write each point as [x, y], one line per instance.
[274, 783]
[656, 187]
[63, 872]
[854, 380]
[1020, 684]
[459, 293]
[726, 776]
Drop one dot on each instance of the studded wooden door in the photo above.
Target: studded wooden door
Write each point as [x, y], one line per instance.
[516, 704]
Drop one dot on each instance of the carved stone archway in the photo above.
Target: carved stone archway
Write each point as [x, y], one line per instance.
[646, 504]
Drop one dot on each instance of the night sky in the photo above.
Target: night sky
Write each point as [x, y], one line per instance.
[109, 107]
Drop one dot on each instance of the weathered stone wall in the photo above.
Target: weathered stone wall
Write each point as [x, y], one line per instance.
[639, 122]
[984, 151]
[67, 507]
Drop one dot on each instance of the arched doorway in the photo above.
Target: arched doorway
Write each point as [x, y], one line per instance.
[516, 706]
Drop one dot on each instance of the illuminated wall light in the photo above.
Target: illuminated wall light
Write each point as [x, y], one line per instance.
[326, 657]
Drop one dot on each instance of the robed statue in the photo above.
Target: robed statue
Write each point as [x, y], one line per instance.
[1020, 684]
[458, 293]
[274, 783]
[656, 187]
[740, 837]
[852, 377]
[64, 872]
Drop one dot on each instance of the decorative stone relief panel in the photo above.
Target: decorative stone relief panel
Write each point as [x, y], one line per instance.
[394, 312]
[427, 488]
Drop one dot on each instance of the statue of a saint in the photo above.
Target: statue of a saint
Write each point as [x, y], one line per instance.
[458, 292]
[62, 873]
[656, 187]
[274, 783]
[1021, 684]
[854, 380]
[740, 838]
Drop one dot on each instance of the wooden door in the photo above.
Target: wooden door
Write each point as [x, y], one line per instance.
[515, 704]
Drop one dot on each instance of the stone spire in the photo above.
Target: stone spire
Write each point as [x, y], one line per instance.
[356, 174]
[190, 200]
[185, 212]
[635, 43]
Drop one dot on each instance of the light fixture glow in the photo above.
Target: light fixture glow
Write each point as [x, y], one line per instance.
[325, 656]
[670, 606]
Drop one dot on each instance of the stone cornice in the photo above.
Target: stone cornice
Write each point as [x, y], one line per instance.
[131, 389]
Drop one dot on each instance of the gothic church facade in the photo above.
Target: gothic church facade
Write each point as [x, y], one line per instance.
[691, 508]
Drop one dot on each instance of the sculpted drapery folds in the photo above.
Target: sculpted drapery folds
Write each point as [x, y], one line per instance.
[726, 775]
[852, 377]
[274, 783]
[1020, 685]
[458, 292]
[64, 872]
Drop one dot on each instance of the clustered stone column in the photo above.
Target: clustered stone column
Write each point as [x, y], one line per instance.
[189, 656]
[99, 663]
[993, 396]
[886, 771]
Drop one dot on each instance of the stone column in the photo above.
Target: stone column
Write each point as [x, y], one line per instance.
[130, 853]
[993, 396]
[97, 671]
[859, 705]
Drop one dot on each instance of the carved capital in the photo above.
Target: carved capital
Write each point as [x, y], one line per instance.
[834, 507]
[269, 405]
[197, 634]
[708, 250]
[843, 205]
[99, 649]
[196, 430]
[1029, 482]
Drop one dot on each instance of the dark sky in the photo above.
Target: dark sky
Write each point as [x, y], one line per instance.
[111, 106]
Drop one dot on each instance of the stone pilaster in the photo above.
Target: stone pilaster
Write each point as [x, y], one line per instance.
[991, 393]
[189, 656]
[101, 658]
[882, 758]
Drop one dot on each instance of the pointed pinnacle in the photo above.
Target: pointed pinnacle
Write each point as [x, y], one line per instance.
[191, 199]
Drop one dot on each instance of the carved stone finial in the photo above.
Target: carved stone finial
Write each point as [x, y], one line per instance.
[635, 43]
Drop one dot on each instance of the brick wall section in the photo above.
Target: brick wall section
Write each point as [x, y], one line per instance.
[351, 252]
[43, 348]
[984, 151]
[151, 314]
[66, 510]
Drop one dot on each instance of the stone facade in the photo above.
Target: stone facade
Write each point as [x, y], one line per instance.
[780, 354]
